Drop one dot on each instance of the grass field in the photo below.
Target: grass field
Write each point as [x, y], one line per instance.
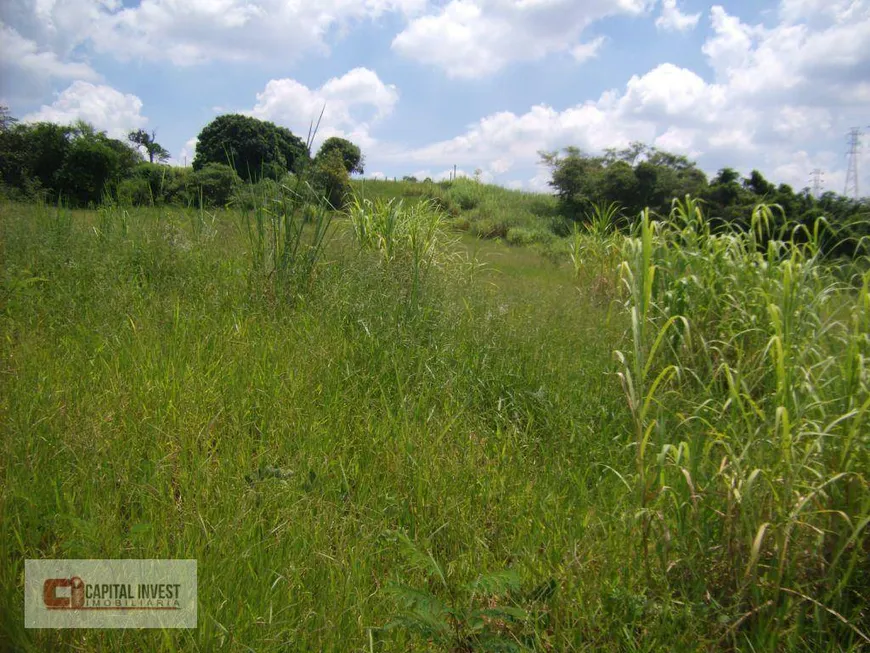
[395, 439]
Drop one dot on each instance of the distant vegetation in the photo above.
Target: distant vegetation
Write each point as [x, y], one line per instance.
[80, 166]
[641, 177]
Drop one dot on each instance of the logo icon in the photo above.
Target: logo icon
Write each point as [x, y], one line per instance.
[74, 601]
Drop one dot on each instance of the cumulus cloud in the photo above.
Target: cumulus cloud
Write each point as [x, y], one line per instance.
[24, 54]
[474, 38]
[673, 20]
[586, 51]
[194, 31]
[188, 152]
[781, 99]
[353, 103]
[104, 107]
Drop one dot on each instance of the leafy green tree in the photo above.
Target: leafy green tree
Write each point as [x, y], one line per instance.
[757, 184]
[576, 178]
[619, 184]
[629, 155]
[155, 150]
[330, 178]
[350, 153]
[725, 190]
[46, 147]
[254, 148]
[14, 158]
[88, 170]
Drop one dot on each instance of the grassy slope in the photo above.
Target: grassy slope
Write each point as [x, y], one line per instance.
[148, 375]
[144, 377]
[483, 210]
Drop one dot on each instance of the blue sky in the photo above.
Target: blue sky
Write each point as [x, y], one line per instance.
[423, 85]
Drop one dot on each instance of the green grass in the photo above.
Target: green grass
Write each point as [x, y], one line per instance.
[413, 434]
[484, 210]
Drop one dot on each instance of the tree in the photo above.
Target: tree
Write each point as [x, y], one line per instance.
[6, 119]
[758, 184]
[331, 178]
[254, 148]
[142, 138]
[725, 190]
[576, 178]
[619, 184]
[46, 147]
[88, 170]
[350, 153]
[629, 155]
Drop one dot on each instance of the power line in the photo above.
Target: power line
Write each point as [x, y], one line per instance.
[816, 177]
[855, 135]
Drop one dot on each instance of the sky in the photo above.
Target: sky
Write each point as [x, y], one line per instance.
[426, 85]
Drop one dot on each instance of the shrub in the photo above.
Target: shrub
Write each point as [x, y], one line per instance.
[489, 229]
[134, 192]
[466, 194]
[214, 184]
[330, 177]
[87, 172]
[519, 236]
[441, 200]
[350, 154]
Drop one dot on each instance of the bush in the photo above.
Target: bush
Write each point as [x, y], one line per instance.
[489, 228]
[87, 171]
[330, 177]
[252, 196]
[442, 200]
[134, 192]
[214, 184]
[466, 194]
[520, 236]
[461, 223]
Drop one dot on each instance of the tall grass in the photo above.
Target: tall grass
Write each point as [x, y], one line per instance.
[748, 387]
[287, 230]
[344, 468]
[413, 236]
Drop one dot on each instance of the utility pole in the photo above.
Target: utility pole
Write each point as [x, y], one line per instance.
[816, 177]
[855, 135]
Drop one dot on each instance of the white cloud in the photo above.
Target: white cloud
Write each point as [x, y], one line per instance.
[781, 101]
[188, 152]
[104, 107]
[674, 20]
[444, 175]
[194, 31]
[353, 103]
[586, 51]
[793, 11]
[24, 54]
[474, 38]
[826, 64]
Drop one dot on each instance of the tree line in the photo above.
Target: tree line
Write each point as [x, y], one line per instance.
[641, 176]
[80, 166]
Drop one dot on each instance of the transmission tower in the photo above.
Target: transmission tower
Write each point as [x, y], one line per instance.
[816, 177]
[855, 135]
